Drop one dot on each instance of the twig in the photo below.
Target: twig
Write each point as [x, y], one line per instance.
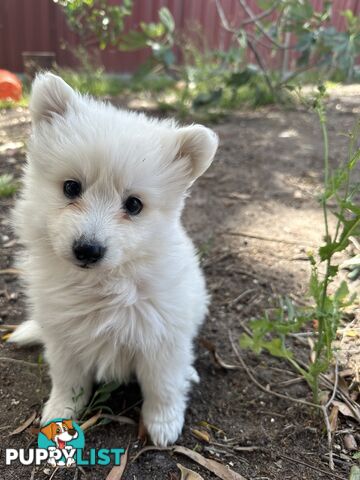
[261, 237]
[258, 384]
[33, 471]
[326, 472]
[252, 47]
[262, 15]
[329, 436]
[253, 19]
[326, 416]
[149, 449]
[335, 384]
[241, 296]
[21, 362]
[323, 408]
[54, 472]
[118, 418]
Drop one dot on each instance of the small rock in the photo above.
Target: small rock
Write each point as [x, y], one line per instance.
[350, 442]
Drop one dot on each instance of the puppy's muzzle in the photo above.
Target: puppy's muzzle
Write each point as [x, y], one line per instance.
[88, 253]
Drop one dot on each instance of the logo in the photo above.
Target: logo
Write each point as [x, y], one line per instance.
[61, 442]
[63, 437]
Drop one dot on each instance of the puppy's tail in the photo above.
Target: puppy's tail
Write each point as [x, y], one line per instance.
[28, 333]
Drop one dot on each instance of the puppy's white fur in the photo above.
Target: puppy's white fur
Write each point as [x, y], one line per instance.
[137, 310]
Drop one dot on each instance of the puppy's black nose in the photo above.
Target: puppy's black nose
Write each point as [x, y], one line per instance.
[88, 252]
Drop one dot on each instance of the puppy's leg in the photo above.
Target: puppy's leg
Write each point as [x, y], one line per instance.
[71, 386]
[28, 333]
[164, 379]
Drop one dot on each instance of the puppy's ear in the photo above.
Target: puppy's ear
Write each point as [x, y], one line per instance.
[50, 96]
[198, 145]
[69, 424]
[49, 430]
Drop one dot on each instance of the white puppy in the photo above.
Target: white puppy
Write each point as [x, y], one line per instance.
[113, 280]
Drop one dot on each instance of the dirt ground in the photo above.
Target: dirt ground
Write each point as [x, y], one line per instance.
[263, 184]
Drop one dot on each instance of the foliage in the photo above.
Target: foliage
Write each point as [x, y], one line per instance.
[208, 82]
[96, 22]
[298, 27]
[98, 402]
[8, 186]
[100, 24]
[8, 104]
[158, 36]
[271, 332]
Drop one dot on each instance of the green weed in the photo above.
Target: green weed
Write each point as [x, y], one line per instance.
[8, 186]
[271, 332]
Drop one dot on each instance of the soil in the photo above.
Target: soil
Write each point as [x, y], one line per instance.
[253, 217]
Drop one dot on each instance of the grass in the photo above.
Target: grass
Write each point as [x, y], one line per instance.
[100, 84]
[9, 104]
[8, 186]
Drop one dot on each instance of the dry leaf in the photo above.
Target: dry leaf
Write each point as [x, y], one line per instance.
[142, 432]
[333, 418]
[187, 474]
[10, 271]
[220, 470]
[8, 328]
[10, 243]
[223, 364]
[201, 435]
[211, 427]
[24, 425]
[212, 349]
[350, 443]
[352, 333]
[344, 409]
[117, 472]
[91, 422]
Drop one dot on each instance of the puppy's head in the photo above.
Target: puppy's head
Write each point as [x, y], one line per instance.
[63, 430]
[102, 185]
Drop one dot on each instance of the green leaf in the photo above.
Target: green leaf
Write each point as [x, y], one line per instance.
[133, 41]
[247, 342]
[354, 473]
[204, 99]
[101, 398]
[276, 348]
[327, 251]
[167, 19]
[153, 30]
[8, 185]
[109, 387]
[237, 79]
[342, 292]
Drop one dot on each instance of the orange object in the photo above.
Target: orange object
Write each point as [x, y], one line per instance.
[10, 86]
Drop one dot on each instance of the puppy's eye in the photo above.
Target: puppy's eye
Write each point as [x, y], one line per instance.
[72, 188]
[133, 206]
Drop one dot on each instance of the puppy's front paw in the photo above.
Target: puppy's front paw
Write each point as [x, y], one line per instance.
[54, 409]
[164, 431]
